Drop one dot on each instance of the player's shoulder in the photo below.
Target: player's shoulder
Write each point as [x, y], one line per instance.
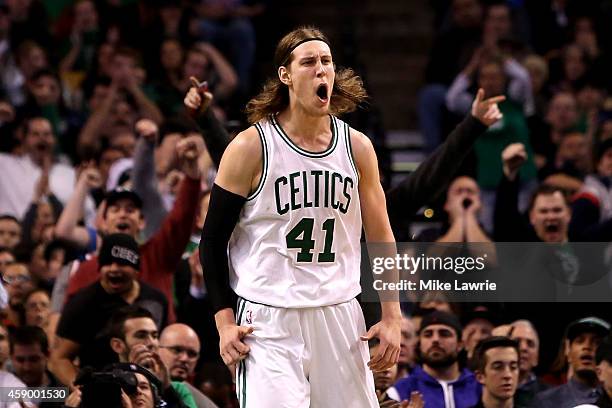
[246, 144]
[244, 151]
[247, 139]
[361, 147]
[359, 141]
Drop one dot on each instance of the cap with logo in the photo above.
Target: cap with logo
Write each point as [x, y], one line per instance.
[121, 249]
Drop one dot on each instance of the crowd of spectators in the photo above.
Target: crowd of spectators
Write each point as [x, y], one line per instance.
[104, 180]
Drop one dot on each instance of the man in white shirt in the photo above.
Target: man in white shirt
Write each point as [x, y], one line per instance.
[19, 175]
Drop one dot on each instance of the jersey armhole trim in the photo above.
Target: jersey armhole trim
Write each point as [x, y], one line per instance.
[264, 163]
[349, 150]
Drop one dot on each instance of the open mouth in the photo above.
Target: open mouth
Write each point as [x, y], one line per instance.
[322, 92]
[552, 227]
[586, 359]
[42, 147]
[123, 227]
[116, 279]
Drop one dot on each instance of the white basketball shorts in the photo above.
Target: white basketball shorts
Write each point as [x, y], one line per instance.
[301, 358]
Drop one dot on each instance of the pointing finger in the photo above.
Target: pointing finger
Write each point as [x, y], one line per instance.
[479, 95]
[194, 82]
[496, 99]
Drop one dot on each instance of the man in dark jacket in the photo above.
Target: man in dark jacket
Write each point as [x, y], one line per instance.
[440, 380]
[582, 339]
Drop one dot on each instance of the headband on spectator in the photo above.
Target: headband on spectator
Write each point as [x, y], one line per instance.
[286, 58]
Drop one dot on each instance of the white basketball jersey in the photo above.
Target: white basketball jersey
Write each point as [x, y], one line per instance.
[297, 243]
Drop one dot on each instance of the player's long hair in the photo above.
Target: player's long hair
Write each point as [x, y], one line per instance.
[348, 91]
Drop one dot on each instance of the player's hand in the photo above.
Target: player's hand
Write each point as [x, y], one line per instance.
[416, 401]
[513, 157]
[388, 331]
[486, 110]
[147, 129]
[232, 348]
[198, 99]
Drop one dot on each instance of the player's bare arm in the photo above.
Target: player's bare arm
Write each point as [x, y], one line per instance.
[241, 164]
[239, 173]
[377, 229]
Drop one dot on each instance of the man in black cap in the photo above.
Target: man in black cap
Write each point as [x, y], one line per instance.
[583, 336]
[80, 331]
[440, 380]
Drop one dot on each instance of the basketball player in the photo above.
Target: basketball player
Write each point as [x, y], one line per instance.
[290, 198]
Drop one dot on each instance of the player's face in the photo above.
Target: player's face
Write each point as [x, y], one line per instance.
[439, 345]
[310, 76]
[500, 376]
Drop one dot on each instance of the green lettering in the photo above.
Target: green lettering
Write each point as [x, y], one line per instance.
[317, 174]
[344, 208]
[326, 201]
[277, 183]
[294, 190]
[335, 203]
[307, 203]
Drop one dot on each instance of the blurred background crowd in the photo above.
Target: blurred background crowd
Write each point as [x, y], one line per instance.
[97, 149]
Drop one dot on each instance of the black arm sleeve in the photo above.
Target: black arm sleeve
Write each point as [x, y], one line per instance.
[223, 212]
[434, 174]
[216, 137]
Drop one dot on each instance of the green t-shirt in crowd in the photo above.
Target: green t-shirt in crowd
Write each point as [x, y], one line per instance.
[182, 390]
[512, 128]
